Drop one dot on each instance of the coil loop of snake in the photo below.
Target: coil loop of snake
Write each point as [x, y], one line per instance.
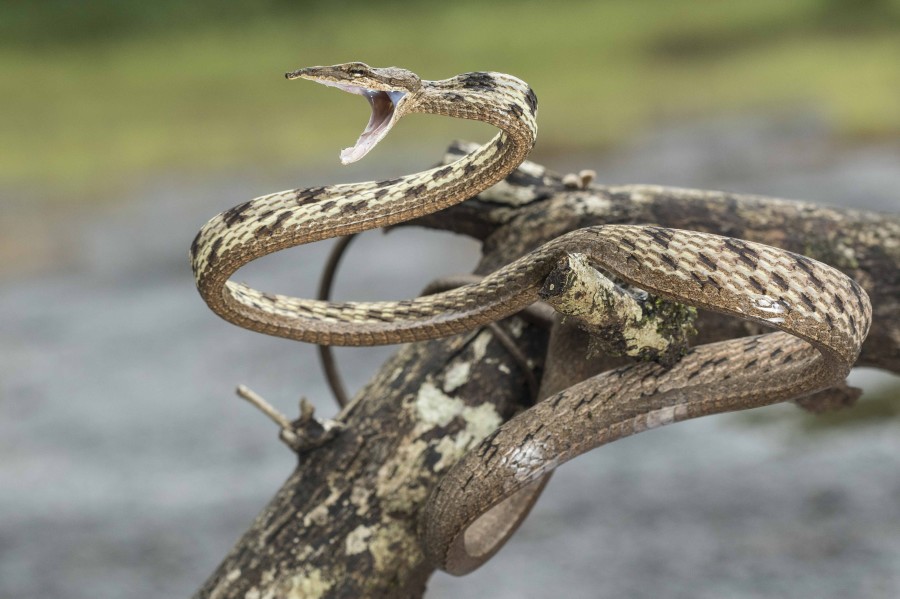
[821, 315]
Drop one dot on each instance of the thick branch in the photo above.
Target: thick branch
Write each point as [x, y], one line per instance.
[345, 523]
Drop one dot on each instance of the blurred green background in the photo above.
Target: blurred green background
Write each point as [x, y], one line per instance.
[128, 464]
[104, 93]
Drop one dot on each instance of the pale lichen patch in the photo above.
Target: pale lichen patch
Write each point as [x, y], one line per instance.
[456, 376]
[356, 541]
[398, 483]
[516, 327]
[592, 204]
[481, 420]
[233, 575]
[306, 585]
[319, 514]
[359, 497]
[395, 374]
[393, 541]
[644, 337]
[435, 407]
[479, 346]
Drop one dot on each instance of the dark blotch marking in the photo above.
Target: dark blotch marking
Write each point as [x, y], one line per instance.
[469, 168]
[756, 284]
[706, 260]
[441, 172]
[695, 373]
[776, 353]
[584, 400]
[194, 246]
[809, 303]
[670, 261]
[839, 303]
[489, 452]
[532, 100]
[375, 315]
[715, 362]
[235, 215]
[417, 190]
[750, 364]
[661, 236]
[806, 265]
[788, 358]
[387, 182]
[307, 196]
[857, 290]
[328, 205]
[279, 220]
[556, 400]
[353, 207]
[629, 243]
[747, 255]
[214, 251]
[515, 110]
[779, 280]
[714, 283]
[478, 81]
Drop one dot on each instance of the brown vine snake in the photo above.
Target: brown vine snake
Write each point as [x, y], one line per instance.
[823, 316]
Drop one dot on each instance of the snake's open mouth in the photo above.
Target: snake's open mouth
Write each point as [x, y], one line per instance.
[384, 104]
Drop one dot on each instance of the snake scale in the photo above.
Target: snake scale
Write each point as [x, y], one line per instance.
[822, 315]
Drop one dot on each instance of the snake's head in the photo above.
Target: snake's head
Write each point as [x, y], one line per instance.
[386, 89]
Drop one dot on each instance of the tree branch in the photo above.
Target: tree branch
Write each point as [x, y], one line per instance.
[345, 523]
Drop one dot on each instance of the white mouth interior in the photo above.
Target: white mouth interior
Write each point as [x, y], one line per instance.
[384, 104]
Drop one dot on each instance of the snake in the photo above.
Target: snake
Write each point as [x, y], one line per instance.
[819, 315]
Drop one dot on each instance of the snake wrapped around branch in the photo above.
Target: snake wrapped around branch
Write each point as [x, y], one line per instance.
[820, 315]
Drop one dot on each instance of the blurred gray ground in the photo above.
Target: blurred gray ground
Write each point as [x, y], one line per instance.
[129, 467]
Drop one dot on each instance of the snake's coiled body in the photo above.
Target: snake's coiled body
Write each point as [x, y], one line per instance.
[823, 315]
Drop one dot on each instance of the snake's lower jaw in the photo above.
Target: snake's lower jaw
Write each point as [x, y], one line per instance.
[384, 104]
[384, 114]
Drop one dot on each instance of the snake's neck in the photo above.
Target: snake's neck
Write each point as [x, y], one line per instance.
[497, 99]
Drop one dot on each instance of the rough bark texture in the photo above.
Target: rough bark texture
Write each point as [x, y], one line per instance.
[345, 523]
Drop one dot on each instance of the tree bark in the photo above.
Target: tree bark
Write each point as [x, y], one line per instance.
[345, 523]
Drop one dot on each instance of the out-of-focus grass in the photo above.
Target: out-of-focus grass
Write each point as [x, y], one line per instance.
[85, 113]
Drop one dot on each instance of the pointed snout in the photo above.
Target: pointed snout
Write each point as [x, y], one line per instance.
[302, 73]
